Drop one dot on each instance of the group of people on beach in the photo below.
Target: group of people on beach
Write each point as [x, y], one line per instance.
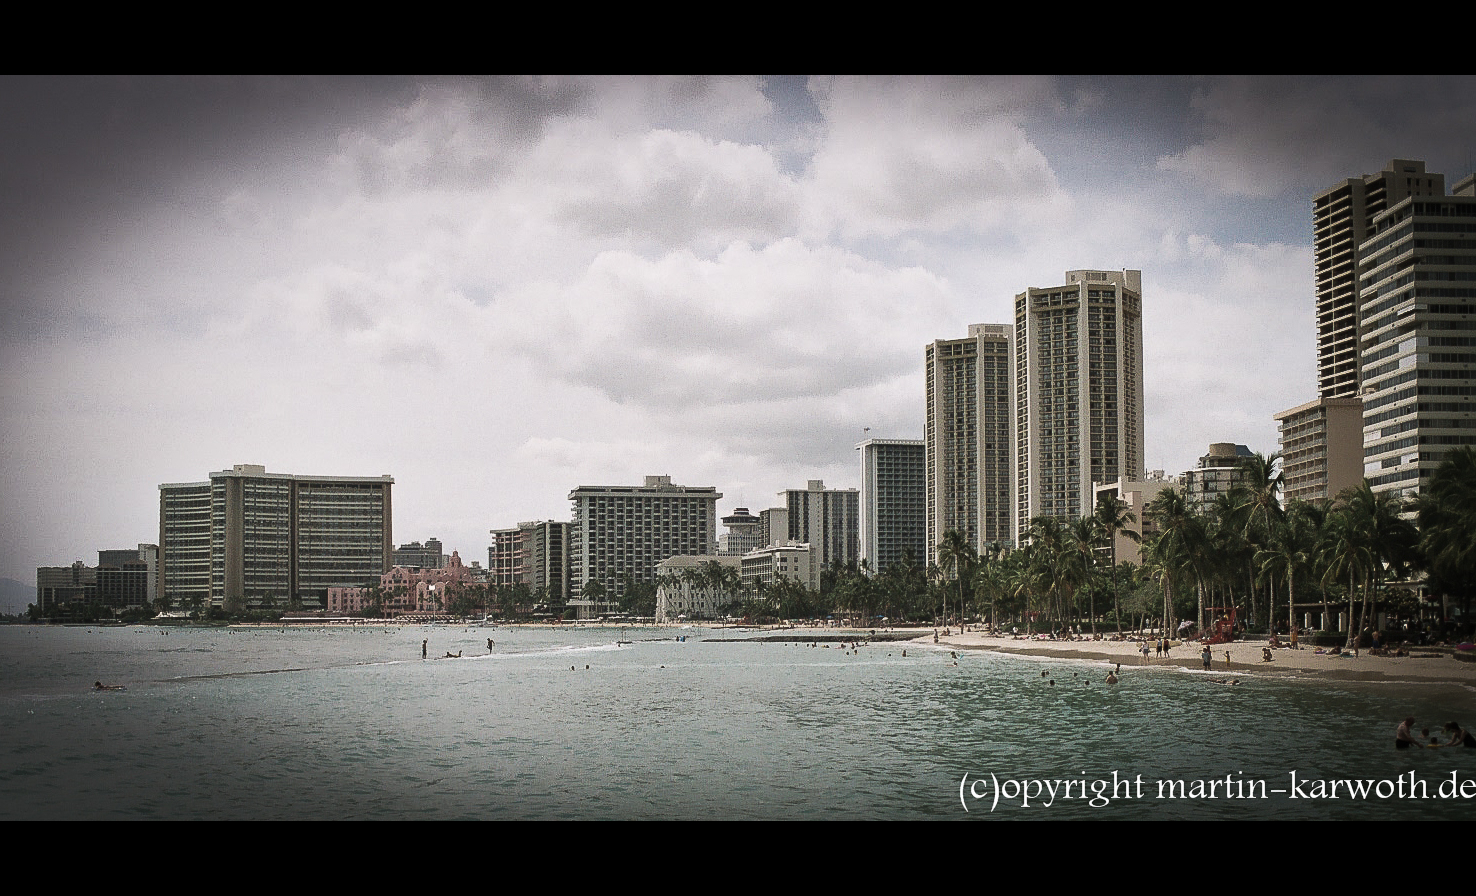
[1404, 736]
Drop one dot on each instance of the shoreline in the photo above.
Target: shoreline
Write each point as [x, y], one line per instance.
[1245, 659]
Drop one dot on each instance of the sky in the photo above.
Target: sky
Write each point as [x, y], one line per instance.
[498, 290]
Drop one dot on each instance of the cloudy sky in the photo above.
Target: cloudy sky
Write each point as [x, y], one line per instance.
[498, 290]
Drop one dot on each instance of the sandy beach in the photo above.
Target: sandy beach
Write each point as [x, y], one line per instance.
[1245, 658]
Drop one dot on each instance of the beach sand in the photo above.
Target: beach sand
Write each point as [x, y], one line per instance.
[1245, 657]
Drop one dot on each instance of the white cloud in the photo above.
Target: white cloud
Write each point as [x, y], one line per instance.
[751, 324]
[927, 154]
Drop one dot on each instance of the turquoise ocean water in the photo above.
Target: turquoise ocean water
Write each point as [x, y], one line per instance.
[352, 724]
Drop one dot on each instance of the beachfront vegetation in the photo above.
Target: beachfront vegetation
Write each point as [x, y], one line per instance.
[1361, 553]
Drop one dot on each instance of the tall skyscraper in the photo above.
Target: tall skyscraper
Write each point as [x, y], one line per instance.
[255, 536]
[1417, 335]
[1324, 442]
[892, 515]
[1078, 391]
[825, 519]
[968, 438]
[1342, 217]
[625, 530]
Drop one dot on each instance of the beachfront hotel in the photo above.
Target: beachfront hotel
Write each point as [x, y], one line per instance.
[1078, 391]
[625, 530]
[825, 519]
[247, 537]
[1417, 338]
[968, 438]
[1322, 440]
[891, 517]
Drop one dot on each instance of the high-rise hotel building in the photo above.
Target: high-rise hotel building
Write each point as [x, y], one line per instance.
[1321, 441]
[625, 530]
[968, 438]
[1416, 275]
[1078, 391]
[892, 516]
[825, 519]
[248, 536]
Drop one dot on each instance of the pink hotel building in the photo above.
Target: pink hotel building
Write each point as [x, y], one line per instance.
[407, 589]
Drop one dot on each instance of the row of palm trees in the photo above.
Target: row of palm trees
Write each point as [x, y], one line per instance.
[1238, 551]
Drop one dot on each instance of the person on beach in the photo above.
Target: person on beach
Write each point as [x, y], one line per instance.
[1404, 737]
[422, 647]
[1205, 655]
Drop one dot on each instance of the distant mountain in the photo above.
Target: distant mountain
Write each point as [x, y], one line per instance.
[16, 596]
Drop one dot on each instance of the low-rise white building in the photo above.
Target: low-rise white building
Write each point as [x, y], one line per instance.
[684, 592]
[790, 560]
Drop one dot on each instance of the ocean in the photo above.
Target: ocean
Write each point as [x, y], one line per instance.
[631, 723]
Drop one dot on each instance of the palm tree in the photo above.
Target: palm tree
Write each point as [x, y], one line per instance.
[1258, 497]
[1079, 561]
[1178, 547]
[989, 579]
[957, 559]
[1114, 518]
[1447, 515]
[1286, 551]
[1370, 540]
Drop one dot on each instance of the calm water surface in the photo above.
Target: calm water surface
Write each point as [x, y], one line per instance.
[352, 724]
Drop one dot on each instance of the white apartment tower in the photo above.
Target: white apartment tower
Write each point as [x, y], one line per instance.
[1078, 391]
[893, 510]
[968, 438]
[1417, 336]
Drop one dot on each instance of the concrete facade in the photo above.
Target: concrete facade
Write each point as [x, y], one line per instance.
[968, 439]
[425, 556]
[892, 514]
[826, 519]
[1321, 448]
[1219, 472]
[768, 564]
[1137, 495]
[745, 532]
[681, 596]
[273, 538]
[621, 531]
[1079, 391]
[1417, 337]
[1342, 218]
[535, 554]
